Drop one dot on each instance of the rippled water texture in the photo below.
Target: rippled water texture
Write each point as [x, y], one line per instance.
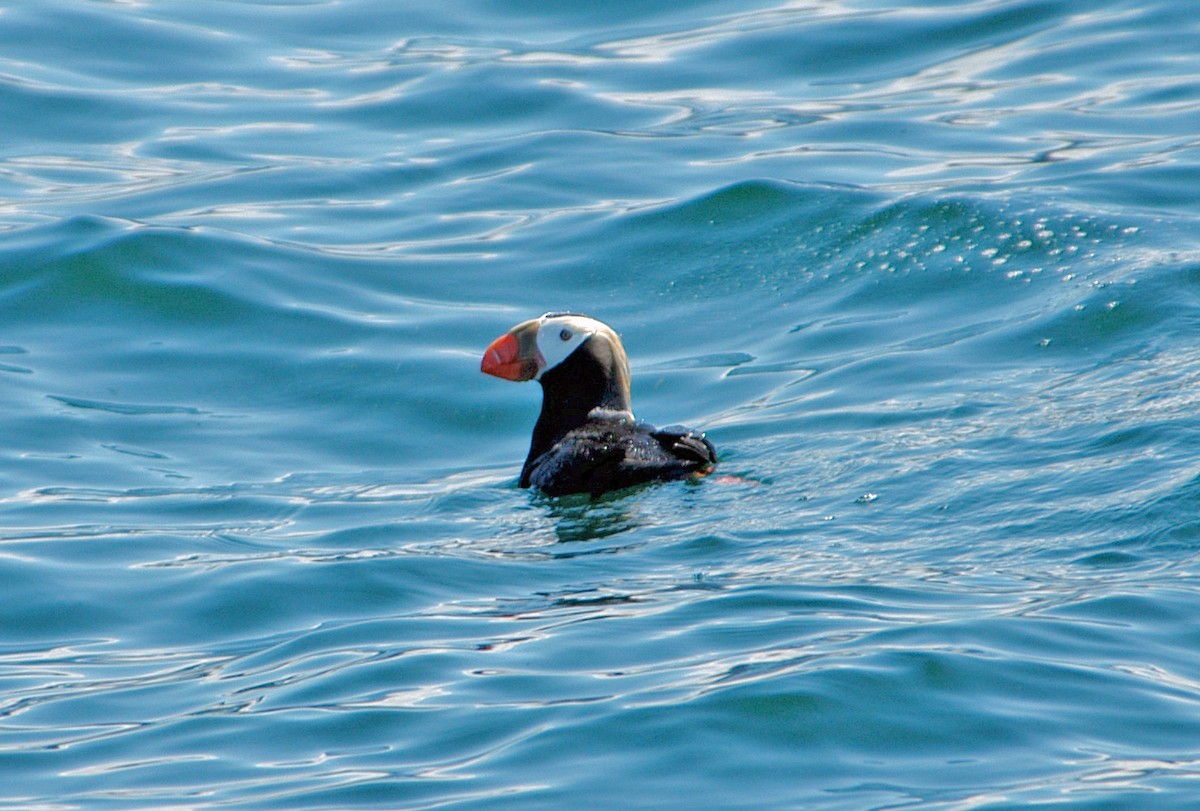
[927, 275]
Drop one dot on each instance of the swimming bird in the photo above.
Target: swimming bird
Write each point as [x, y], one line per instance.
[586, 439]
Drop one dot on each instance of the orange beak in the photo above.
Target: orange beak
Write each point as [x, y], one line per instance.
[505, 359]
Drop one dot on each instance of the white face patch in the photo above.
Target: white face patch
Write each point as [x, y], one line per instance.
[560, 335]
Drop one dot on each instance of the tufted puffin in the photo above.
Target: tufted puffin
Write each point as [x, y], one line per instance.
[586, 439]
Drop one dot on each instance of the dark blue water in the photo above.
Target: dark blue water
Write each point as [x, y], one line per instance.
[928, 275]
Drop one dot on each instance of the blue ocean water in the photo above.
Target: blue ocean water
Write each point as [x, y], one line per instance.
[927, 274]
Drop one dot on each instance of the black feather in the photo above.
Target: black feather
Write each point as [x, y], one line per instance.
[603, 455]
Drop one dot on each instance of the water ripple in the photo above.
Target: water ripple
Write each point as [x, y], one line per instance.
[926, 276]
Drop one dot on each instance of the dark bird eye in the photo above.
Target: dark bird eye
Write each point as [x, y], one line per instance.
[565, 335]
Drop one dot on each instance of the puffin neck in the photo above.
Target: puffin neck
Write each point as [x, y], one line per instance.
[594, 376]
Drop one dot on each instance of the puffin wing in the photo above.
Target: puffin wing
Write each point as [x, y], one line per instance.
[686, 445]
[578, 464]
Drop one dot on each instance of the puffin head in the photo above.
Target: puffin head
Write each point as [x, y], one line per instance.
[570, 353]
[532, 347]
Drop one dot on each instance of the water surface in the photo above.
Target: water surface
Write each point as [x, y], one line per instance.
[926, 274]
